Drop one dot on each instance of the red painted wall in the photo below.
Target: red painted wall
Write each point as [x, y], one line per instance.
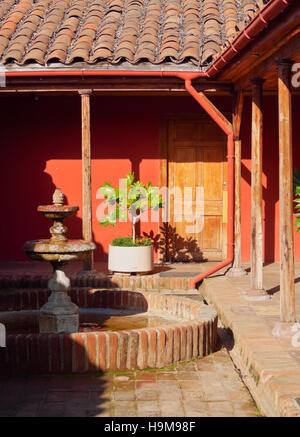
[41, 150]
[270, 176]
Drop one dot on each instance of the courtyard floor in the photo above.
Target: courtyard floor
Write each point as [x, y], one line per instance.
[266, 359]
[210, 387]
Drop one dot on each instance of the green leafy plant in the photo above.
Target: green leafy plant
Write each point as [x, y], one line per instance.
[131, 198]
[296, 186]
[128, 242]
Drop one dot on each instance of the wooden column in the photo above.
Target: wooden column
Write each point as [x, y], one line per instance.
[86, 173]
[256, 188]
[237, 269]
[287, 287]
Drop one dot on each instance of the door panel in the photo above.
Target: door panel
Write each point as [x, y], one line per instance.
[213, 173]
[196, 171]
[186, 131]
[211, 234]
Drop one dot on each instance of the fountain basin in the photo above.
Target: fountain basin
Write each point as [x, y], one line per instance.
[91, 320]
[191, 332]
[59, 314]
[56, 212]
[58, 251]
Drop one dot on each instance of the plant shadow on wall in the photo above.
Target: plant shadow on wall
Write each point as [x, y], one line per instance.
[175, 248]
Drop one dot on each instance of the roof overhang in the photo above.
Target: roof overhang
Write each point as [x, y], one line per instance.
[234, 65]
[281, 39]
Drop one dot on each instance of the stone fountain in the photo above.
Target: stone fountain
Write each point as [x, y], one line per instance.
[59, 314]
[119, 330]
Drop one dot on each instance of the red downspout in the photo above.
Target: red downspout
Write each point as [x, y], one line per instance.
[227, 128]
[85, 73]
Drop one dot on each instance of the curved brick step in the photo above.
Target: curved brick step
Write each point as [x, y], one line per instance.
[98, 280]
[194, 335]
[34, 299]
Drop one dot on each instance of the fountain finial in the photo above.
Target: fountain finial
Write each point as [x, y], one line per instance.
[58, 197]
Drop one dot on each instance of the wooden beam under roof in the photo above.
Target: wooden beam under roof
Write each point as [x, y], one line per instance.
[267, 43]
[266, 68]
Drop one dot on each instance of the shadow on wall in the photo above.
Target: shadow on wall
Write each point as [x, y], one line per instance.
[43, 137]
[174, 248]
[41, 149]
[33, 134]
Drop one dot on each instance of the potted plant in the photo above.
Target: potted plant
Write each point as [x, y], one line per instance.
[296, 184]
[129, 200]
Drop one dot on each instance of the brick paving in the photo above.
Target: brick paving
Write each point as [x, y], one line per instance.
[209, 387]
[270, 363]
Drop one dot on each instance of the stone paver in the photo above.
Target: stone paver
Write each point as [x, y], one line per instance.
[207, 387]
[269, 362]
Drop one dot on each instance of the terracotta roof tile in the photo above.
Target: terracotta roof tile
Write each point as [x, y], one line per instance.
[95, 31]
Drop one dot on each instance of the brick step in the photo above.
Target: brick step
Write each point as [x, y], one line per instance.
[192, 334]
[99, 280]
[84, 297]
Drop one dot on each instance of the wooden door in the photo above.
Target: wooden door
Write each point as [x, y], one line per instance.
[197, 180]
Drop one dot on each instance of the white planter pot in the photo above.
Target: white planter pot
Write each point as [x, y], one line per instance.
[130, 259]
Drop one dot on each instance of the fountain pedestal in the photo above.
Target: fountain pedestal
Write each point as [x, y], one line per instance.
[59, 314]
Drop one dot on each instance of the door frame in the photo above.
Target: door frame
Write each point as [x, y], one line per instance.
[164, 153]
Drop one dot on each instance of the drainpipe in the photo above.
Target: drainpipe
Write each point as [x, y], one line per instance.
[227, 129]
[115, 73]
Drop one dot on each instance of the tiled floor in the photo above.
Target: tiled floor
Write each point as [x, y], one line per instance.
[209, 387]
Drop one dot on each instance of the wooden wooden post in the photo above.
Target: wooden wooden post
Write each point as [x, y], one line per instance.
[287, 287]
[86, 173]
[256, 188]
[237, 269]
